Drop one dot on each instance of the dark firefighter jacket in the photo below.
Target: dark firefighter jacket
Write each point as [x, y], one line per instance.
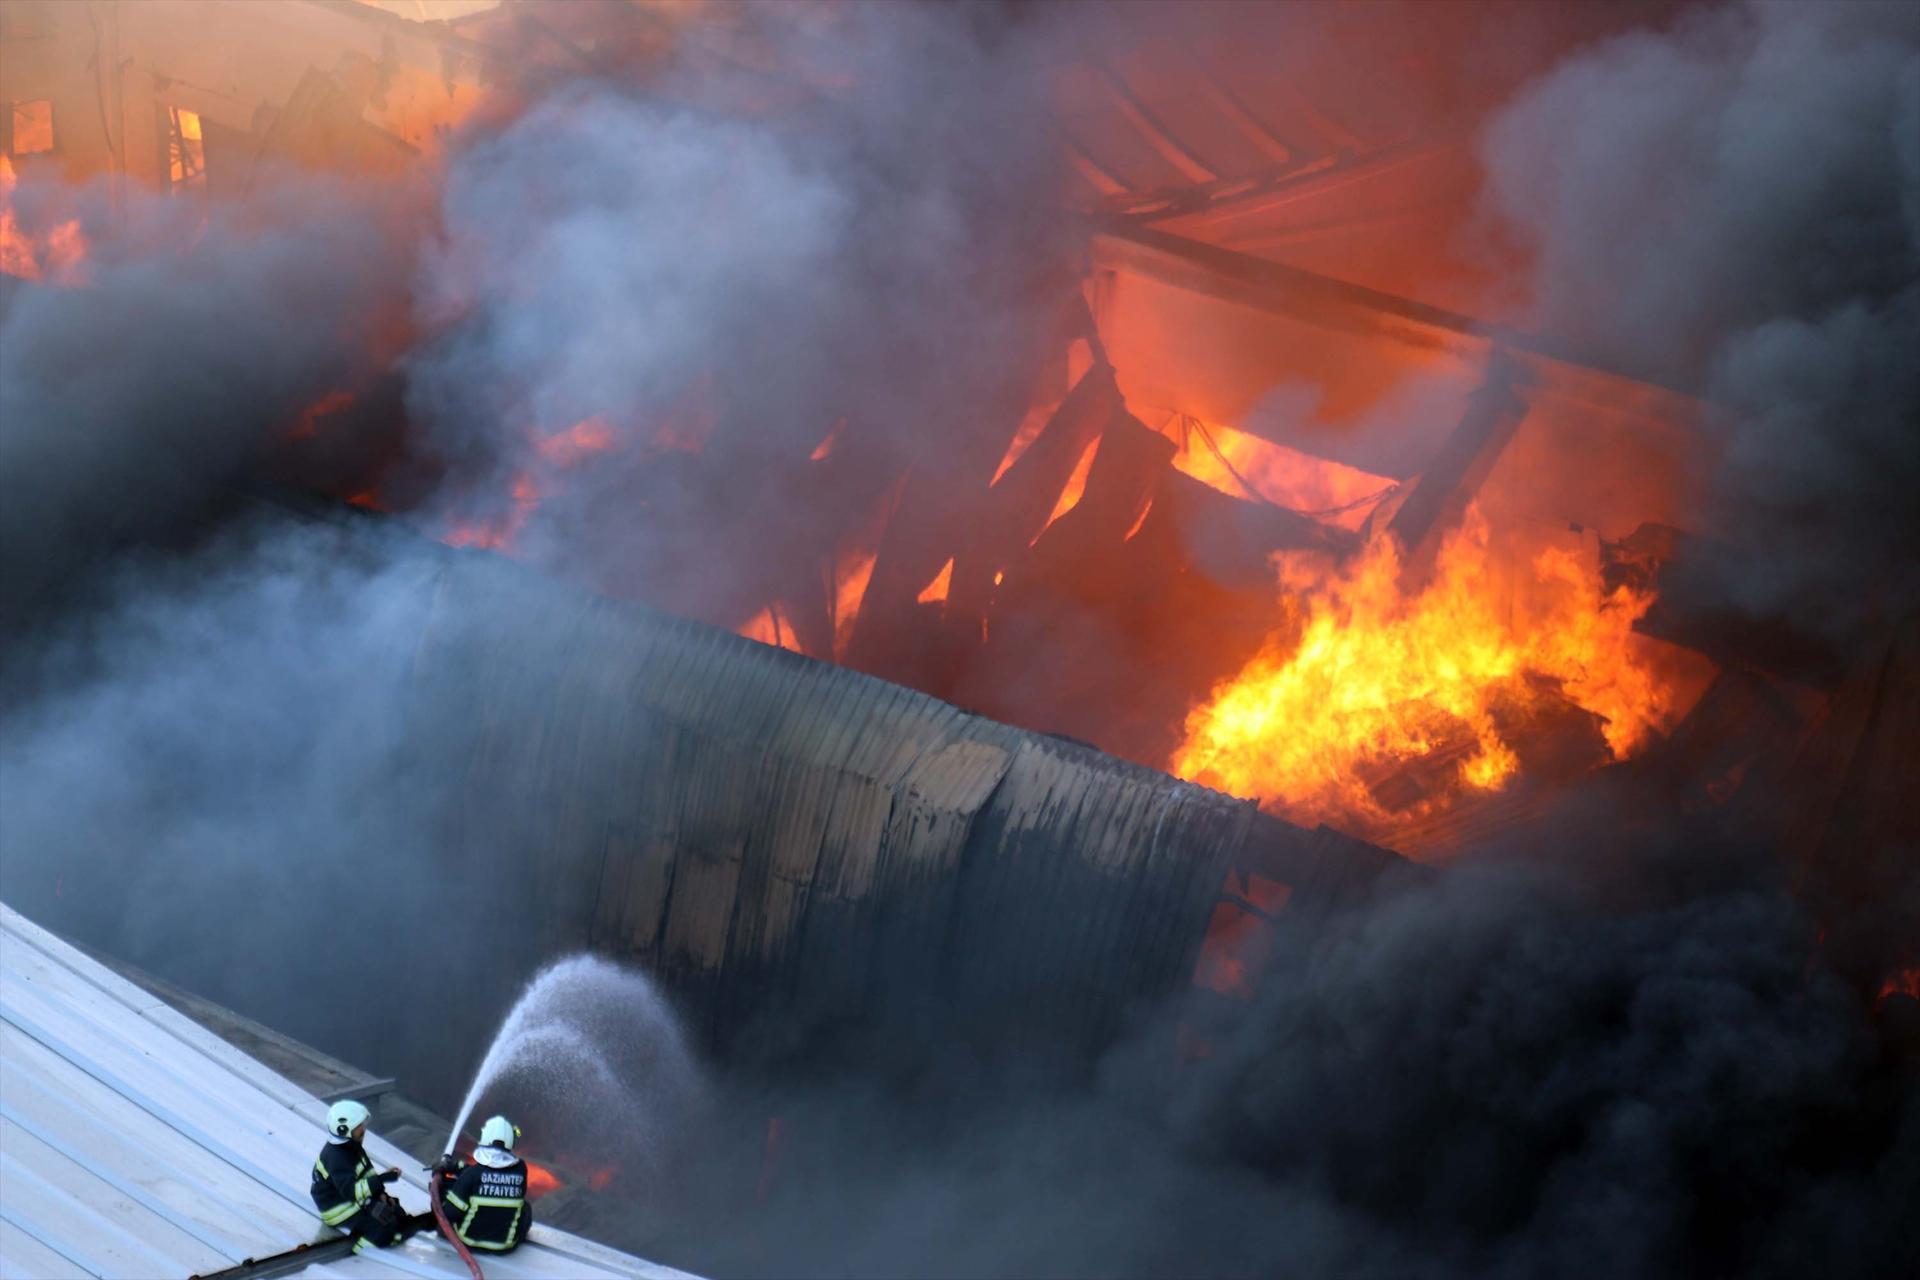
[343, 1182]
[487, 1201]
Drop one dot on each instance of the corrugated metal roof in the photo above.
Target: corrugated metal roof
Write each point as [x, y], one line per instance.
[786, 845]
[769, 833]
[134, 1142]
[1337, 138]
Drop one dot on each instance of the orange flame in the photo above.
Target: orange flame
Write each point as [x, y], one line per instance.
[1360, 675]
[935, 592]
[1076, 486]
[850, 590]
[770, 626]
[58, 257]
[541, 1180]
[1023, 438]
[558, 451]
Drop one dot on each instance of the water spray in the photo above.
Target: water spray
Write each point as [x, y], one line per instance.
[558, 1025]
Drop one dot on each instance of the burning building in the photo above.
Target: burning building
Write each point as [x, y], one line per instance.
[1127, 492]
[959, 526]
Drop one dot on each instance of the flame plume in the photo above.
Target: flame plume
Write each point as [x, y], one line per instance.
[1360, 675]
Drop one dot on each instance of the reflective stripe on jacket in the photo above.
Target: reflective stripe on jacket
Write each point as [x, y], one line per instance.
[342, 1182]
[487, 1205]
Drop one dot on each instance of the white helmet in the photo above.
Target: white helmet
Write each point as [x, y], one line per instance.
[343, 1117]
[499, 1132]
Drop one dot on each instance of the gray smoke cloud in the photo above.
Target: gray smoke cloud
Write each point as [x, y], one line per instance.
[1733, 206]
[887, 252]
[213, 780]
[212, 760]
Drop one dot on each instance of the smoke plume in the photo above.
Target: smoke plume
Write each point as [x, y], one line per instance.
[1733, 206]
[1488, 1074]
[877, 262]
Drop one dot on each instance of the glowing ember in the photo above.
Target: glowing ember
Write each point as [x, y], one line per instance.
[570, 447]
[936, 591]
[1361, 676]
[770, 626]
[555, 452]
[1028, 431]
[1076, 486]
[58, 257]
[824, 450]
[498, 534]
[1237, 939]
[850, 589]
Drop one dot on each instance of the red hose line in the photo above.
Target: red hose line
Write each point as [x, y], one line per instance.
[446, 1228]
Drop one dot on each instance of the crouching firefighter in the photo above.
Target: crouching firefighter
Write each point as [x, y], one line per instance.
[347, 1191]
[486, 1201]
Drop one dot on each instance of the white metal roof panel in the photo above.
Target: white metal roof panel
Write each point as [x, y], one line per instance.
[134, 1142]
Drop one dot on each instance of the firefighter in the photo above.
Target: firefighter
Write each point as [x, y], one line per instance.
[486, 1201]
[346, 1190]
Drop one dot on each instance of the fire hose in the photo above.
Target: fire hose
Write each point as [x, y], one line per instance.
[446, 1227]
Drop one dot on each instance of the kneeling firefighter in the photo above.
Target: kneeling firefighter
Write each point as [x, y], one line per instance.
[346, 1190]
[486, 1201]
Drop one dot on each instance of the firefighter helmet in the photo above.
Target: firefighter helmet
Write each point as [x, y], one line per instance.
[343, 1117]
[499, 1132]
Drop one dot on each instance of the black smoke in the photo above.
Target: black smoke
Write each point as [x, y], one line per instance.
[1630, 1062]
[1732, 206]
[125, 404]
